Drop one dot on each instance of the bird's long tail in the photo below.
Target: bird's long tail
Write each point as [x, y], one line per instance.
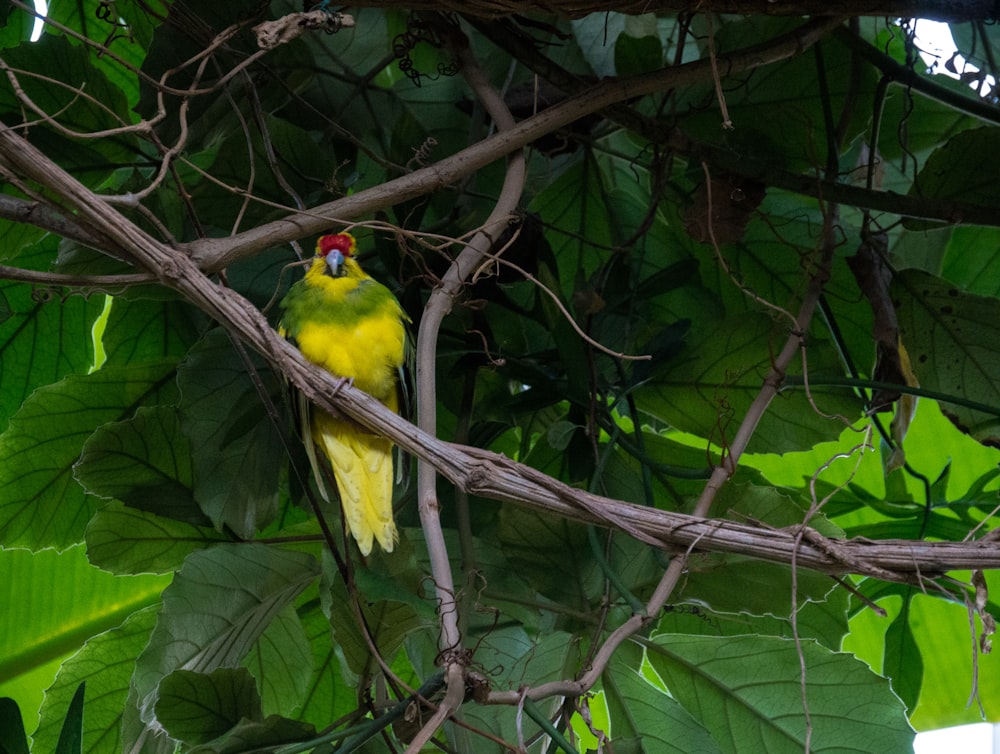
[362, 466]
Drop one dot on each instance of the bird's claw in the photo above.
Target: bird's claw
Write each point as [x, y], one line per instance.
[341, 382]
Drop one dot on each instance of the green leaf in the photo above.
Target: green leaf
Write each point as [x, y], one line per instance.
[15, 26]
[554, 551]
[903, 663]
[777, 110]
[517, 660]
[248, 735]
[977, 273]
[327, 697]
[71, 736]
[65, 81]
[578, 225]
[281, 662]
[220, 603]
[235, 446]
[144, 330]
[953, 339]
[105, 663]
[123, 540]
[62, 602]
[708, 387]
[591, 34]
[825, 621]
[13, 739]
[734, 584]
[651, 717]
[389, 622]
[747, 691]
[635, 55]
[41, 505]
[197, 707]
[43, 337]
[144, 461]
[949, 670]
[962, 169]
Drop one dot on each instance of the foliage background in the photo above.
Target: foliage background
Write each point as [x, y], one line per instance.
[158, 540]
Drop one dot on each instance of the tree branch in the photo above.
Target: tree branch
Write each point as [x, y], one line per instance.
[212, 254]
[942, 10]
[474, 470]
[104, 282]
[438, 305]
[41, 215]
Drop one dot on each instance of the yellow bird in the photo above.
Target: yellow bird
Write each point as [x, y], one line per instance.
[349, 324]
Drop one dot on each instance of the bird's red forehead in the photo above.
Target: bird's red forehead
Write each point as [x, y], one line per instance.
[342, 242]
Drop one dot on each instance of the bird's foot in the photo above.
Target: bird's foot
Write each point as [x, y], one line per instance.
[343, 382]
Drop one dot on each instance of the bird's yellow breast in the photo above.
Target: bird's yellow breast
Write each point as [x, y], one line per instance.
[353, 327]
[369, 351]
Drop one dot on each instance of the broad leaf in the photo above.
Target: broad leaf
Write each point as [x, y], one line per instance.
[748, 692]
[954, 344]
[651, 719]
[13, 739]
[281, 663]
[710, 385]
[197, 707]
[961, 169]
[123, 540]
[43, 336]
[62, 601]
[105, 663]
[221, 603]
[144, 461]
[144, 330]
[234, 443]
[41, 504]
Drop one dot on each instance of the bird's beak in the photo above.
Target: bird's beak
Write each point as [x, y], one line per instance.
[334, 263]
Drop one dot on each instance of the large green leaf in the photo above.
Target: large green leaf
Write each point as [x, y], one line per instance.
[942, 666]
[144, 330]
[64, 82]
[554, 551]
[903, 663]
[220, 604]
[708, 388]
[13, 739]
[778, 111]
[41, 505]
[824, 622]
[197, 707]
[123, 540]
[388, 622]
[281, 662]
[235, 446]
[516, 660]
[108, 29]
[651, 719]
[748, 692]
[962, 169]
[573, 207]
[71, 736]
[144, 461]
[62, 601]
[327, 697]
[953, 339]
[43, 337]
[977, 273]
[105, 663]
[248, 735]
